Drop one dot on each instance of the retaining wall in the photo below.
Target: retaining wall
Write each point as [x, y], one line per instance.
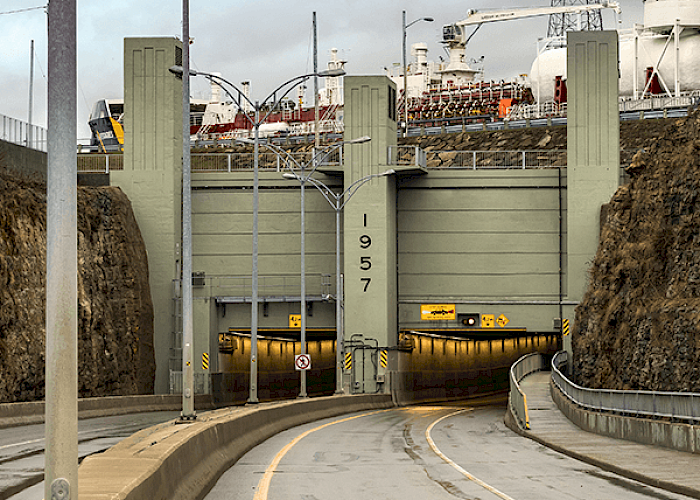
[184, 461]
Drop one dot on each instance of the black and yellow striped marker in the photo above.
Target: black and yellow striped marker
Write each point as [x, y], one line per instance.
[348, 360]
[205, 360]
[565, 327]
[383, 356]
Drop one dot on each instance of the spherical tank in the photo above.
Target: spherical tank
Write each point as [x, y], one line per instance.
[650, 46]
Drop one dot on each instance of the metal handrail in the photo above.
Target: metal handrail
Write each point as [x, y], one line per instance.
[683, 406]
[22, 133]
[523, 367]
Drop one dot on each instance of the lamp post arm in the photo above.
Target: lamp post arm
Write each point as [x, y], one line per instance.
[301, 78]
[287, 157]
[213, 78]
[352, 188]
[323, 156]
[327, 193]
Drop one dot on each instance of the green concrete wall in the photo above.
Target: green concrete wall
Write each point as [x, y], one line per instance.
[485, 241]
[222, 243]
[152, 177]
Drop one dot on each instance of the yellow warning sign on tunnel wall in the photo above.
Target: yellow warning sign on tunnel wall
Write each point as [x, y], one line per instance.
[205, 361]
[432, 312]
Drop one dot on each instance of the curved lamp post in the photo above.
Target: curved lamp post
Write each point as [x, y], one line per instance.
[337, 201]
[304, 177]
[256, 122]
[405, 72]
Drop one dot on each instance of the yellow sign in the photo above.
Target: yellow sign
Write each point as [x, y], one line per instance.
[502, 320]
[205, 361]
[295, 321]
[488, 320]
[565, 327]
[432, 312]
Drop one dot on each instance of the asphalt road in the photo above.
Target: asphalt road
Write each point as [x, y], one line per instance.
[22, 449]
[422, 453]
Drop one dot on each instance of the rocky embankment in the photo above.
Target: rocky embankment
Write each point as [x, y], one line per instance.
[115, 312]
[638, 326]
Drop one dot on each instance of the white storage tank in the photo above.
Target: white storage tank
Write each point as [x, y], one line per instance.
[657, 16]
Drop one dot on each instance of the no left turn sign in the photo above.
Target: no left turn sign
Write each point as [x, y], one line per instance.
[302, 362]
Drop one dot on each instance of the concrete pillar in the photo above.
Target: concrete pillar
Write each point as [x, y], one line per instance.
[593, 145]
[152, 176]
[370, 222]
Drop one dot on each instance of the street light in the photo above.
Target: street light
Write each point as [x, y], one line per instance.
[316, 160]
[405, 71]
[337, 202]
[257, 106]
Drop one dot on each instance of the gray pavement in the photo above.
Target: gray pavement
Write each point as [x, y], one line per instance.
[672, 470]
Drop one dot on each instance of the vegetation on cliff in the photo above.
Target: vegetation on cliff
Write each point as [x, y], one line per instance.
[638, 326]
[115, 312]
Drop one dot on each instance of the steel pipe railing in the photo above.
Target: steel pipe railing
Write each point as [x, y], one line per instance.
[680, 406]
[526, 365]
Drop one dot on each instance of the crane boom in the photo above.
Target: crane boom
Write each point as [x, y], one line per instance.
[455, 36]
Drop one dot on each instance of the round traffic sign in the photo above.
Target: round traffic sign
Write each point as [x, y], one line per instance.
[302, 362]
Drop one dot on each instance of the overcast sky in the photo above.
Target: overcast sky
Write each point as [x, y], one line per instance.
[262, 41]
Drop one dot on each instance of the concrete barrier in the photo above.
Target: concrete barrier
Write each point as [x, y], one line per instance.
[16, 414]
[183, 461]
[674, 435]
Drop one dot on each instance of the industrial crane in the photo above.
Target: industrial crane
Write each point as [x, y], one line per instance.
[455, 37]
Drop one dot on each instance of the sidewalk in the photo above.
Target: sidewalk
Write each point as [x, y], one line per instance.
[675, 471]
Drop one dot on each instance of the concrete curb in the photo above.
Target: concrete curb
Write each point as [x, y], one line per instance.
[17, 414]
[184, 461]
[511, 423]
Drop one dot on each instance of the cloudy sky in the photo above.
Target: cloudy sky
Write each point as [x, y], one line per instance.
[263, 41]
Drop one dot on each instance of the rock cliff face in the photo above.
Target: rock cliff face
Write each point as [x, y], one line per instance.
[638, 326]
[115, 313]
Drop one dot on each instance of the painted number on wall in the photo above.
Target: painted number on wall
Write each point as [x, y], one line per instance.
[365, 260]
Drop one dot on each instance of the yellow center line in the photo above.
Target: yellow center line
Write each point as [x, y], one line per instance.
[460, 469]
[264, 484]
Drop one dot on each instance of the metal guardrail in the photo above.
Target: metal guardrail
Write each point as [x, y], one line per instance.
[219, 162]
[22, 133]
[476, 160]
[683, 406]
[526, 365]
[100, 163]
[200, 382]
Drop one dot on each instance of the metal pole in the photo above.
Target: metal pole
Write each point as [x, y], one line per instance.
[31, 96]
[338, 319]
[188, 412]
[317, 134]
[253, 395]
[302, 392]
[405, 80]
[61, 459]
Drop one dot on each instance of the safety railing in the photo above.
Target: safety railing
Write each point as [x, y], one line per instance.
[18, 132]
[526, 365]
[397, 155]
[100, 163]
[678, 406]
[200, 382]
[476, 160]
[270, 288]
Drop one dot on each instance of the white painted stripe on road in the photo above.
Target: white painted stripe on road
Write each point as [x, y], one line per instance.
[460, 469]
[39, 440]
